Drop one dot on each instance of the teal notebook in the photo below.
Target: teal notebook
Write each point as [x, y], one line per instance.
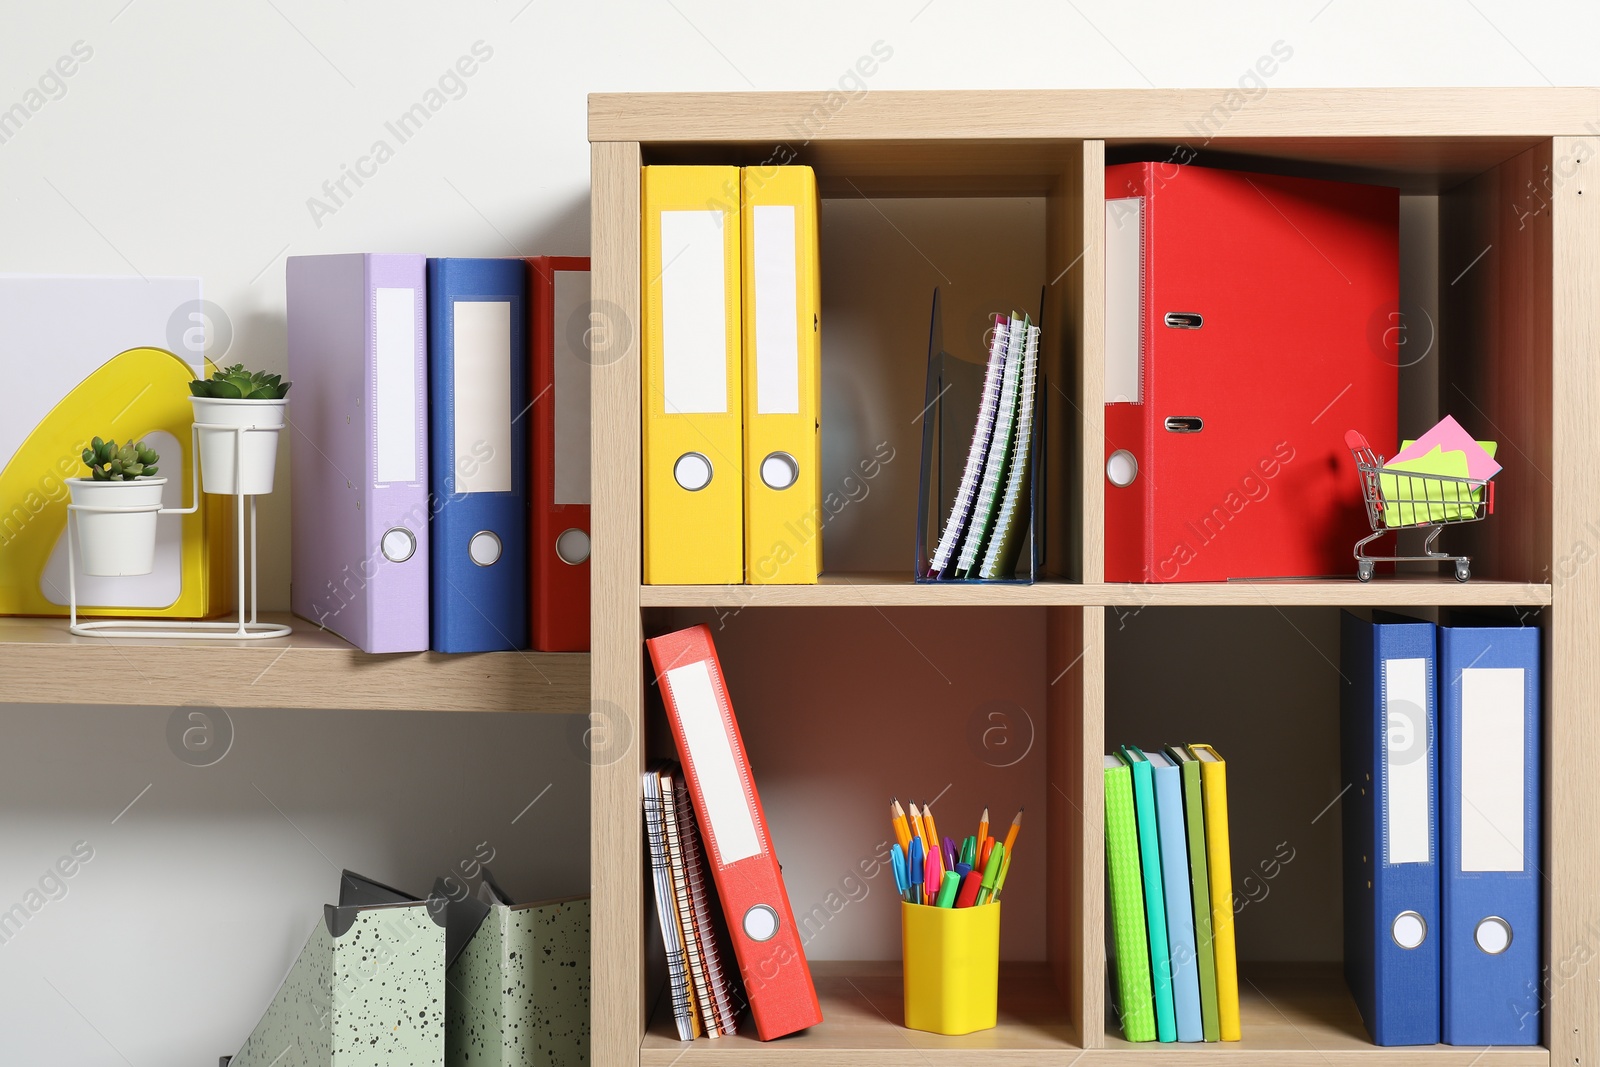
[1155, 908]
[1130, 940]
[1200, 884]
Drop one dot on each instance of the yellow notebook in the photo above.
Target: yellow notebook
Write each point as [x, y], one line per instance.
[692, 440]
[1214, 790]
[782, 377]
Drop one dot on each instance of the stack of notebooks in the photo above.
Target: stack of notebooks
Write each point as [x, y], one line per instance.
[1171, 894]
[989, 519]
[1442, 886]
[440, 488]
[706, 997]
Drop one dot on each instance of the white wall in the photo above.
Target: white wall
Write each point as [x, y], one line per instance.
[190, 141]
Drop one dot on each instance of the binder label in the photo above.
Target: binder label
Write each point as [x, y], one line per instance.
[1408, 803]
[1124, 300]
[571, 388]
[777, 345]
[394, 404]
[694, 313]
[482, 386]
[733, 828]
[1493, 705]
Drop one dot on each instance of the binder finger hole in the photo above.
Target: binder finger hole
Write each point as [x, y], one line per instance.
[779, 471]
[760, 923]
[398, 544]
[1493, 935]
[484, 548]
[1121, 468]
[692, 471]
[1410, 930]
[572, 546]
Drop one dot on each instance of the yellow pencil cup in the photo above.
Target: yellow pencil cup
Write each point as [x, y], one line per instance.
[952, 967]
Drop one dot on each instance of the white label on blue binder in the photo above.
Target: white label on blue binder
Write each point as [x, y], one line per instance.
[394, 384]
[573, 319]
[1492, 772]
[777, 345]
[694, 313]
[1124, 300]
[733, 827]
[482, 334]
[1408, 809]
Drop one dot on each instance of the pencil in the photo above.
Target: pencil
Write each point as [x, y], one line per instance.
[933, 832]
[917, 829]
[897, 815]
[1011, 834]
[983, 827]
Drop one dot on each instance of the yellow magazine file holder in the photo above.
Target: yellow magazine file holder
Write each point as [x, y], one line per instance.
[951, 966]
[137, 393]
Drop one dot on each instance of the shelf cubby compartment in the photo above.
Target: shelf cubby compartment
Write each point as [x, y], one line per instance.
[1263, 685]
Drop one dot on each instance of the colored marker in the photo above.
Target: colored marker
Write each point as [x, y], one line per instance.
[970, 885]
[948, 889]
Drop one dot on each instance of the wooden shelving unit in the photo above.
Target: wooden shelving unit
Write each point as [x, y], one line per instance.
[1517, 335]
[43, 664]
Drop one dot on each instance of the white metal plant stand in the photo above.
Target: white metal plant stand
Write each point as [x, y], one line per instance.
[224, 630]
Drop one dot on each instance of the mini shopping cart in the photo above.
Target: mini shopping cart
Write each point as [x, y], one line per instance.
[1401, 500]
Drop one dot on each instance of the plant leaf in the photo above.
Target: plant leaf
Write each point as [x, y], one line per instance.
[225, 390]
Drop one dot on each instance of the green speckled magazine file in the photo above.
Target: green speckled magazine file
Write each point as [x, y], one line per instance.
[518, 993]
[367, 988]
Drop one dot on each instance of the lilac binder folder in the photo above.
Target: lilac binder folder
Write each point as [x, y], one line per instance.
[359, 447]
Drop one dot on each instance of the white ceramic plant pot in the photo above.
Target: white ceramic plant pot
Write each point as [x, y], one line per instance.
[116, 543]
[258, 461]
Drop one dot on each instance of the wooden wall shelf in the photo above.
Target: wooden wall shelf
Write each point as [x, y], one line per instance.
[43, 664]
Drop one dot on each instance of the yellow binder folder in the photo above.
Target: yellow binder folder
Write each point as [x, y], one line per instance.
[1214, 792]
[782, 377]
[692, 442]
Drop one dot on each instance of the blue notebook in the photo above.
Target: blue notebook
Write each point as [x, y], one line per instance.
[478, 439]
[1391, 830]
[1155, 911]
[1489, 797]
[1175, 890]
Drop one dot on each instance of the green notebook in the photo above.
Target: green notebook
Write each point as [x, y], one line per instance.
[1131, 944]
[1200, 884]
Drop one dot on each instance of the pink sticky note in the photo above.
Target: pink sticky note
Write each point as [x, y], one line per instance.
[1450, 437]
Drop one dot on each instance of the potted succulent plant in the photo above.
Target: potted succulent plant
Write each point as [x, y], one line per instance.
[234, 397]
[121, 477]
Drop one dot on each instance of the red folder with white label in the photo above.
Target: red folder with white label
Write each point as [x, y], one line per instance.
[561, 337]
[1250, 320]
[765, 940]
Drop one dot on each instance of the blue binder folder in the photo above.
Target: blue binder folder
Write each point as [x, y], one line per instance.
[1391, 855]
[478, 437]
[1175, 890]
[1155, 910]
[1489, 786]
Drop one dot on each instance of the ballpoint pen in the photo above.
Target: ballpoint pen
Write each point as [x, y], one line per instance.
[950, 859]
[916, 867]
[991, 871]
[933, 877]
[969, 852]
[902, 880]
[1000, 880]
[985, 847]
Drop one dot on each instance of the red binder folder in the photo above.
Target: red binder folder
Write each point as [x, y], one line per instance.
[559, 567]
[1250, 321]
[765, 940]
